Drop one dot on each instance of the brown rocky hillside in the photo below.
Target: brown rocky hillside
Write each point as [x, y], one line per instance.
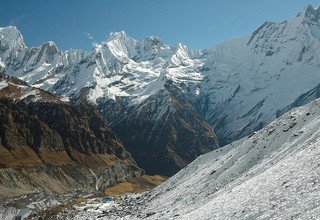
[50, 145]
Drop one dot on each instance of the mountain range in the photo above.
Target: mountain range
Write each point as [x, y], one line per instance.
[170, 104]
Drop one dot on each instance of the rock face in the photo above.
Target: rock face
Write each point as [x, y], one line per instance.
[51, 145]
[234, 87]
[163, 133]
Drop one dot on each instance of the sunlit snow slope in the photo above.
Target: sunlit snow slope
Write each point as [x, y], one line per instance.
[247, 81]
[274, 174]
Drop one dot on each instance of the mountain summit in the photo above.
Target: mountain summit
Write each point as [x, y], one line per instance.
[152, 94]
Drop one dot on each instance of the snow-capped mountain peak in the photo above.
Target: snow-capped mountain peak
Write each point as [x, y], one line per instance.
[121, 35]
[181, 55]
[126, 67]
[234, 85]
[11, 40]
[309, 12]
[278, 58]
[311, 18]
[152, 42]
[237, 87]
[120, 45]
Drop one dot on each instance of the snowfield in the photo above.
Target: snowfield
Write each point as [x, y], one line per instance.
[274, 174]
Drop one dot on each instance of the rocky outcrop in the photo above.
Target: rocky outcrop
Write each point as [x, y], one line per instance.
[164, 133]
[46, 144]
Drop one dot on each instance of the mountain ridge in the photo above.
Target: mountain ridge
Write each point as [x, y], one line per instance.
[234, 87]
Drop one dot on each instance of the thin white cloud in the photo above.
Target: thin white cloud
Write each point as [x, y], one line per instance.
[15, 21]
[91, 38]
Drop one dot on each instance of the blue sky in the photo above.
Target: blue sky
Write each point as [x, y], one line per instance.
[196, 23]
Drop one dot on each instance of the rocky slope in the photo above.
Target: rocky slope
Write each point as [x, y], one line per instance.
[272, 174]
[163, 133]
[47, 144]
[234, 87]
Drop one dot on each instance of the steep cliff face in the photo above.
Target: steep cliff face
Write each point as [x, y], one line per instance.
[164, 133]
[51, 145]
[51, 128]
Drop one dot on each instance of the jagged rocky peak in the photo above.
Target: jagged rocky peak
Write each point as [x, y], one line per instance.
[121, 35]
[120, 45]
[311, 17]
[180, 55]
[11, 33]
[73, 56]
[271, 37]
[149, 48]
[50, 45]
[152, 42]
[125, 49]
[309, 12]
[11, 38]
[48, 52]
[149, 42]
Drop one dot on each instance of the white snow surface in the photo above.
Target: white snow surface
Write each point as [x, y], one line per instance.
[94, 208]
[247, 75]
[23, 91]
[274, 174]
[3, 84]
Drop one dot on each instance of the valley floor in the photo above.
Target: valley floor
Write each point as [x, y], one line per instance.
[81, 205]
